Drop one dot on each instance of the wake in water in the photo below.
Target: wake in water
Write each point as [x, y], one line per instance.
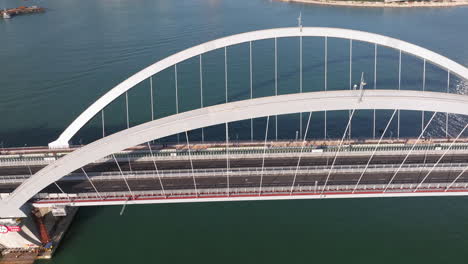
[455, 122]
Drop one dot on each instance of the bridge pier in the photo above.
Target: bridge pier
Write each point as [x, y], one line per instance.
[35, 236]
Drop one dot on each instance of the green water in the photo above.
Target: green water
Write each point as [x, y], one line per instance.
[53, 65]
[418, 230]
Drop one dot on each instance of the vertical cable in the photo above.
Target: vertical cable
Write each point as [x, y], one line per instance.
[350, 64]
[264, 153]
[276, 84]
[447, 114]
[325, 87]
[129, 164]
[227, 158]
[350, 80]
[191, 163]
[338, 151]
[225, 74]
[201, 96]
[375, 86]
[423, 89]
[399, 88]
[325, 118]
[227, 126]
[177, 96]
[300, 81]
[156, 168]
[91, 182]
[300, 154]
[123, 176]
[251, 87]
[29, 168]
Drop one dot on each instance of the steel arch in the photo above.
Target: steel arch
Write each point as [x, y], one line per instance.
[114, 93]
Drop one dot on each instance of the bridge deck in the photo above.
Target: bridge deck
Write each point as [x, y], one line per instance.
[245, 194]
[211, 179]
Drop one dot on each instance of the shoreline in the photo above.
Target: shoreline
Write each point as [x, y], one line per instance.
[379, 4]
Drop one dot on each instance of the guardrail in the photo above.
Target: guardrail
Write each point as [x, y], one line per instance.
[103, 197]
[388, 149]
[250, 171]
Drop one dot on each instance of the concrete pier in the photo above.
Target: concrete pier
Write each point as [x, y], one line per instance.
[26, 242]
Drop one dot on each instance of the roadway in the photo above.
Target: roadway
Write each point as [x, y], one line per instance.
[138, 166]
[251, 177]
[242, 161]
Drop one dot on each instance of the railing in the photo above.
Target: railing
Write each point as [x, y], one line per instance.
[255, 171]
[389, 149]
[239, 154]
[75, 199]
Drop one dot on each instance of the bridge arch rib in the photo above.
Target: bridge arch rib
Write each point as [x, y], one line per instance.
[230, 112]
[114, 93]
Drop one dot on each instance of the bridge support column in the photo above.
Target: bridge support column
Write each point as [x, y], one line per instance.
[36, 236]
[19, 234]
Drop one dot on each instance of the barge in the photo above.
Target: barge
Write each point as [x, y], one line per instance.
[8, 13]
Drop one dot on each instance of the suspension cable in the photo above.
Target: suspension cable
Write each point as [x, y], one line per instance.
[300, 154]
[123, 176]
[191, 164]
[91, 182]
[338, 151]
[456, 178]
[441, 157]
[409, 153]
[227, 157]
[375, 150]
[264, 152]
[276, 85]
[251, 87]
[156, 168]
[61, 190]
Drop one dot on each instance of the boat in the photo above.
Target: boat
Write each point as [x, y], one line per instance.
[6, 15]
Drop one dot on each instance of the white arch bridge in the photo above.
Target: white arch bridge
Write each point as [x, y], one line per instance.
[308, 168]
